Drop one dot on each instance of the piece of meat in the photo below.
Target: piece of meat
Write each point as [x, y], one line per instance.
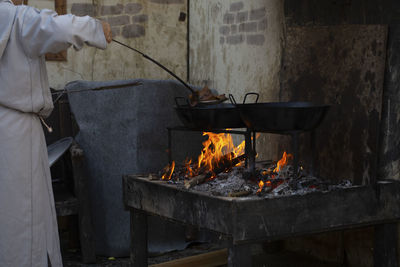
[205, 95]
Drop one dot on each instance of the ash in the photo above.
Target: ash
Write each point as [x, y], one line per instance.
[238, 182]
[226, 184]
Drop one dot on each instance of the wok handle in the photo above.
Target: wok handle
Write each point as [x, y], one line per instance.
[232, 99]
[245, 97]
[177, 101]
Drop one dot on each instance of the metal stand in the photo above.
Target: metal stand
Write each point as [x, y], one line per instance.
[250, 145]
[313, 150]
[138, 235]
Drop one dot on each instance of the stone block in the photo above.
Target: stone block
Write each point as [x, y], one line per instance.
[242, 17]
[257, 14]
[234, 29]
[80, 9]
[235, 39]
[140, 18]
[229, 18]
[118, 20]
[116, 31]
[235, 7]
[133, 31]
[248, 27]
[263, 25]
[112, 10]
[133, 8]
[224, 30]
[255, 39]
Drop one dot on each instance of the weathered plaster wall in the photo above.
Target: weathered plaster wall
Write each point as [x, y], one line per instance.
[235, 47]
[356, 249]
[151, 26]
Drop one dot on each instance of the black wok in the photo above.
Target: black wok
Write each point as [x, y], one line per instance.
[282, 117]
[209, 117]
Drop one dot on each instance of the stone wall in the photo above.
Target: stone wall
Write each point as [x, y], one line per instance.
[241, 25]
[235, 47]
[157, 28]
[125, 20]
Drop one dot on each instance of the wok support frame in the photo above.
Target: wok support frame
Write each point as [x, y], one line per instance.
[250, 146]
[295, 150]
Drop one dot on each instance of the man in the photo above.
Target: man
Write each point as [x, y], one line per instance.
[28, 227]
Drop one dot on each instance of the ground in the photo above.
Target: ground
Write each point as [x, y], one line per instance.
[261, 258]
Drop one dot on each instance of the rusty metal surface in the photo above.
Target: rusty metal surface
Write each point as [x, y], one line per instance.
[389, 157]
[342, 66]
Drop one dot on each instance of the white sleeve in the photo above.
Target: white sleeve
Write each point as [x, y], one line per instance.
[44, 31]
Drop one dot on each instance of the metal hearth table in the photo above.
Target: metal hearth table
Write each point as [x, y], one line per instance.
[248, 220]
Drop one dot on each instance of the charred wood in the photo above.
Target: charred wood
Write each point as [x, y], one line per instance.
[224, 165]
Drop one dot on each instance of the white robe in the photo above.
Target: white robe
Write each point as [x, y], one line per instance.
[28, 226]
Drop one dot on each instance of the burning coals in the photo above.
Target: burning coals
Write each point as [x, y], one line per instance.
[219, 171]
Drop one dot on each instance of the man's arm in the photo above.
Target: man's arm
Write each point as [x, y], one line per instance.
[43, 31]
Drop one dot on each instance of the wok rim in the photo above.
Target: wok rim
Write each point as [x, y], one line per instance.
[284, 105]
[219, 106]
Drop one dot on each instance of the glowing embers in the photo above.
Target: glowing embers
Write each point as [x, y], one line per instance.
[283, 161]
[272, 178]
[168, 171]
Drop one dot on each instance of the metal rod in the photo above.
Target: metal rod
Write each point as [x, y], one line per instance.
[60, 93]
[254, 144]
[295, 148]
[249, 152]
[99, 88]
[169, 146]
[313, 149]
[158, 64]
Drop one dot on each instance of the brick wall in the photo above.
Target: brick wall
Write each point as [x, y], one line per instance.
[240, 25]
[126, 20]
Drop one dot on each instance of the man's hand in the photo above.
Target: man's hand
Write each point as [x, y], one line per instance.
[107, 31]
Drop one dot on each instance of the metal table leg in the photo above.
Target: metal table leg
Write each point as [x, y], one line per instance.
[385, 249]
[239, 255]
[138, 238]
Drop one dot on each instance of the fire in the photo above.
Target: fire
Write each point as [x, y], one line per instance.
[169, 170]
[283, 161]
[216, 148]
[260, 185]
[188, 167]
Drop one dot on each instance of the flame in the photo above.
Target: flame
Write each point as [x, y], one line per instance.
[260, 185]
[188, 167]
[218, 147]
[169, 170]
[283, 161]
